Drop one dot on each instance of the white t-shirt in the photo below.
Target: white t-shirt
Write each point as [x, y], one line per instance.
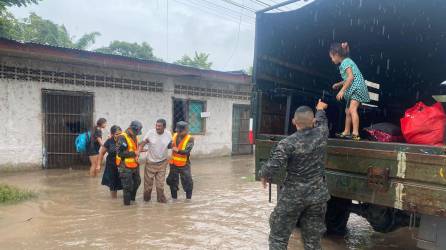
[157, 148]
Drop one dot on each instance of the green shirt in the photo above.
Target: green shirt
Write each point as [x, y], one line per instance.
[358, 89]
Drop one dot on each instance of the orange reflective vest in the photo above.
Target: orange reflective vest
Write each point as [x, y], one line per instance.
[179, 160]
[129, 162]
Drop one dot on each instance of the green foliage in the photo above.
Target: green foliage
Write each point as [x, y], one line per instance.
[38, 30]
[250, 70]
[18, 3]
[86, 40]
[9, 26]
[200, 61]
[13, 194]
[121, 48]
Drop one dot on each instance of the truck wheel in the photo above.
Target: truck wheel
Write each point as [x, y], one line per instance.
[337, 216]
[383, 219]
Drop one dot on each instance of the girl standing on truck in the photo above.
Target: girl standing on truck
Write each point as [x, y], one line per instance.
[353, 89]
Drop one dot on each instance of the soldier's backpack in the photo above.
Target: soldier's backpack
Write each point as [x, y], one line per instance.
[82, 141]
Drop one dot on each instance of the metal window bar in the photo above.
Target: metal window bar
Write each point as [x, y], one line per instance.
[66, 114]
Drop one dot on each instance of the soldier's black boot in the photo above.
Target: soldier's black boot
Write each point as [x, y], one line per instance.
[133, 192]
[189, 195]
[174, 193]
[127, 197]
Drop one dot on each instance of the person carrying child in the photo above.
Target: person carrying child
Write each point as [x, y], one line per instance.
[353, 89]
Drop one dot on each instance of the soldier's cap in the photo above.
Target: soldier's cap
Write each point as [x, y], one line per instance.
[136, 126]
[181, 125]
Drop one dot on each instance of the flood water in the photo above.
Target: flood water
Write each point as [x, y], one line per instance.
[229, 210]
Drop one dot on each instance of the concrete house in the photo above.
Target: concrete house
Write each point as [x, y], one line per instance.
[48, 95]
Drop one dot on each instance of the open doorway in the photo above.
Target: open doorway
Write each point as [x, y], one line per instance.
[240, 130]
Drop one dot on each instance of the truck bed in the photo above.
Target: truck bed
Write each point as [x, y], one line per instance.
[403, 176]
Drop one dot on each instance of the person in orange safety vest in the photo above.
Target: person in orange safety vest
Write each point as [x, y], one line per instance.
[127, 161]
[182, 144]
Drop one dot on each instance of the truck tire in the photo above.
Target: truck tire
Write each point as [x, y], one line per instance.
[384, 219]
[337, 216]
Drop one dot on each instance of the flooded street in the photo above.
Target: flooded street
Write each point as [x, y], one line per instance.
[228, 211]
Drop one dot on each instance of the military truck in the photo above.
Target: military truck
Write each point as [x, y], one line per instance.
[400, 47]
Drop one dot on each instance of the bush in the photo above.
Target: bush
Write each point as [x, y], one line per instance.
[13, 194]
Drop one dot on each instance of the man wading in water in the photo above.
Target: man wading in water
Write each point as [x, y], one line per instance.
[182, 144]
[158, 140]
[304, 194]
[127, 161]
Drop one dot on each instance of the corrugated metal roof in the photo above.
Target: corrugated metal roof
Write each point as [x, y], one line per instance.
[27, 49]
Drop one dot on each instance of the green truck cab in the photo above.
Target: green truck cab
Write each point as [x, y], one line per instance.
[400, 47]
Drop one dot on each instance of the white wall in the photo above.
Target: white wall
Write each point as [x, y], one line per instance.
[21, 133]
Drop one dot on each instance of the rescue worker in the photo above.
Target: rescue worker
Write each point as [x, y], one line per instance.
[182, 143]
[127, 161]
[304, 194]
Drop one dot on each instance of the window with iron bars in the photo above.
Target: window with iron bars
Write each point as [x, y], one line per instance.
[190, 112]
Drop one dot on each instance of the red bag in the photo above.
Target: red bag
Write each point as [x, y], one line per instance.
[422, 124]
[376, 135]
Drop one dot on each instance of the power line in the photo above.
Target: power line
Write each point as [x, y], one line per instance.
[224, 10]
[283, 8]
[237, 42]
[242, 6]
[167, 30]
[229, 10]
[210, 11]
[260, 3]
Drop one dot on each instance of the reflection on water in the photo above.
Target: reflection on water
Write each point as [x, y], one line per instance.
[228, 211]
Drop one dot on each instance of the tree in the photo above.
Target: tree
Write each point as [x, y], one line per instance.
[121, 48]
[200, 61]
[18, 3]
[86, 40]
[38, 30]
[9, 26]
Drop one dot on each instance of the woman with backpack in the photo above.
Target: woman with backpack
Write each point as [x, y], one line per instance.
[95, 143]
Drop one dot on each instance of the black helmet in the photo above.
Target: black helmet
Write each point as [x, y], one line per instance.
[136, 126]
[181, 125]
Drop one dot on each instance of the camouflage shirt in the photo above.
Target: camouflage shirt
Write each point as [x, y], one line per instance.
[303, 155]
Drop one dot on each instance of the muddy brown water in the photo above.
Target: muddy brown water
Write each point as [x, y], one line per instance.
[229, 210]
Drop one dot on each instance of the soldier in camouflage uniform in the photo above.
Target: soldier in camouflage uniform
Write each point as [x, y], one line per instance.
[127, 161]
[304, 194]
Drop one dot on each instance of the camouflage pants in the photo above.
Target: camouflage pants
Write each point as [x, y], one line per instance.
[290, 208]
[130, 180]
[177, 173]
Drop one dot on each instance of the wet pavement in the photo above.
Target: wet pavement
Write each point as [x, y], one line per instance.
[229, 210]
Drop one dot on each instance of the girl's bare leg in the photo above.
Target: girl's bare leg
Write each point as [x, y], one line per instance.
[93, 164]
[114, 194]
[354, 105]
[348, 122]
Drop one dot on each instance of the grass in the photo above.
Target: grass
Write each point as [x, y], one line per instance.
[9, 194]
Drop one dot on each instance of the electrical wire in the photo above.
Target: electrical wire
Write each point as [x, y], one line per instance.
[167, 30]
[242, 6]
[237, 40]
[210, 11]
[229, 10]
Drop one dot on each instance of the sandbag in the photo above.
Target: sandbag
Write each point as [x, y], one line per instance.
[424, 124]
